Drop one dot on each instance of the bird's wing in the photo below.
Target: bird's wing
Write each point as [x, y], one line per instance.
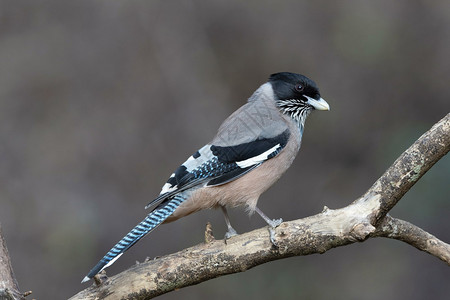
[215, 165]
[250, 136]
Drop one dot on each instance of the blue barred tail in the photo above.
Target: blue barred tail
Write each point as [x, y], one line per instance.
[153, 220]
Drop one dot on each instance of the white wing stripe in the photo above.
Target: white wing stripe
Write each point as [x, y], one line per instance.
[257, 159]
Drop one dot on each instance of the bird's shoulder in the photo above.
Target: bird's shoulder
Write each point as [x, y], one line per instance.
[253, 121]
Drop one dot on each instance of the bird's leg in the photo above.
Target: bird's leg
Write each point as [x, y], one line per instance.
[230, 232]
[273, 223]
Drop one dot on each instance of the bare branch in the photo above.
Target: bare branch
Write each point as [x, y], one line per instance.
[316, 234]
[9, 288]
[409, 233]
[213, 259]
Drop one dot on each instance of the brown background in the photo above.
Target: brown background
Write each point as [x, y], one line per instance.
[101, 100]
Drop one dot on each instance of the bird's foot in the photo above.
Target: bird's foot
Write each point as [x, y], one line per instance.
[275, 222]
[272, 225]
[229, 234]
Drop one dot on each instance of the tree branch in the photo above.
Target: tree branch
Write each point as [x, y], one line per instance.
[9, 289]
[409, 233]
[365, 217]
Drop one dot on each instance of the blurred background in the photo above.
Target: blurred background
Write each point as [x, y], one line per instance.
[101, 100]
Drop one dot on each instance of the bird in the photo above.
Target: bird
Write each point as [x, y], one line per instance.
[253, 147]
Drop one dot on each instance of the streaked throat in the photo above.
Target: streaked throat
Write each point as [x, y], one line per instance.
[295, 109]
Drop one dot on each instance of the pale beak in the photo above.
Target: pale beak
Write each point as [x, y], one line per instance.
[318, 104]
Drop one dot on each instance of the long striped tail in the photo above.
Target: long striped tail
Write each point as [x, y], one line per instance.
[153, 220]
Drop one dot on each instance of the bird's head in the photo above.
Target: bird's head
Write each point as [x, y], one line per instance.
[296, 95]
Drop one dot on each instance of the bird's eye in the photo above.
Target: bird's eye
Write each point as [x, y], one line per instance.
[299, 87]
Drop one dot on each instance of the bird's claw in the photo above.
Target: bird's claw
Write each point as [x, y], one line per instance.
[230, 233]
[275, 222]
[272, 225]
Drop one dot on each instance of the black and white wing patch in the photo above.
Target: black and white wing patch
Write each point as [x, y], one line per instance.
[215, 165]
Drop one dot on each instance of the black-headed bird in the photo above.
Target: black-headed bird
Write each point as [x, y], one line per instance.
[252, 149]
